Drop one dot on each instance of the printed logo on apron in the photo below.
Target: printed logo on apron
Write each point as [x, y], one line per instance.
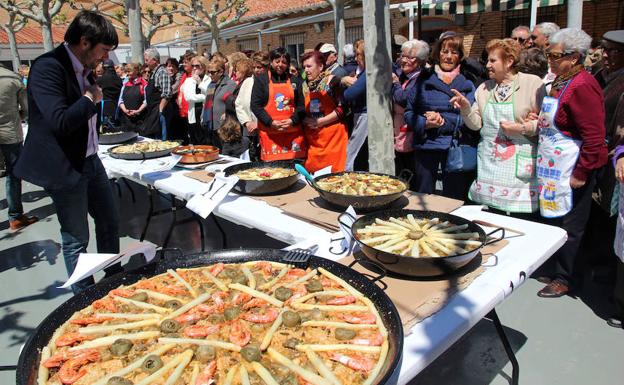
[556, 157]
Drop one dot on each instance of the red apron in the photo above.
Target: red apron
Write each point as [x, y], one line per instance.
[281, 144]
[327, 146]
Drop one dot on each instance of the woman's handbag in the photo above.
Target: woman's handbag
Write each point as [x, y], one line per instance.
[461, 157]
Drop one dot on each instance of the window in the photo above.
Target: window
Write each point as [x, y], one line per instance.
[523, 17]
[247, 45]
[352, 34]
[293, 44]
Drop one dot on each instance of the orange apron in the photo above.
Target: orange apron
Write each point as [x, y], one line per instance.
[281, 144]
[327, 146]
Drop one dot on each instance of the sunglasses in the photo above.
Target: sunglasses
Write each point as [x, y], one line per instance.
[557, 55]
[520, 40]
[196, 66]
[213, 72]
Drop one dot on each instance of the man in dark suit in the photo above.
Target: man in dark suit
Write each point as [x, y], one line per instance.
[60, 152]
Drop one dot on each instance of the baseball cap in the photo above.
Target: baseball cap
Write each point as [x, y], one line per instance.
[326, 48]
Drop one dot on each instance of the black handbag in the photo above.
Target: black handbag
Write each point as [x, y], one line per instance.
[461, 157]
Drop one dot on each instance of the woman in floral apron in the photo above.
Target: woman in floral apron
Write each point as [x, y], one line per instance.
[571, 147]
[507, 149]
[325, 132]
[278, 103]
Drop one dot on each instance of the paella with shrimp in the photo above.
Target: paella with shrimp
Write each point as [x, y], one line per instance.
[246, 323]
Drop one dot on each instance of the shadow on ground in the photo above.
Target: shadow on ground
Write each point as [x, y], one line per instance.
[29, 254]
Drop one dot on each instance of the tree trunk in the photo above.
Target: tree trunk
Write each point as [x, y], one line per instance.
[13, 45]
[135, 30]
[214, 31]
[46, 34]
[378, 82]
[339, 28]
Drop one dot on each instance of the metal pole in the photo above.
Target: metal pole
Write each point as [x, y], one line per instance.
[533, 14]
[378, 82]
[259, 40]
[410, 19]
[420, 19]
[575, 13]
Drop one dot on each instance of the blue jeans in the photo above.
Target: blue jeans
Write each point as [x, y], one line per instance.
[163, 126]
[11, 153]
[91, 195]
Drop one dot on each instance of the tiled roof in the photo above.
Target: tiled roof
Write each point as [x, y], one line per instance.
[32, 35]
[261, 9]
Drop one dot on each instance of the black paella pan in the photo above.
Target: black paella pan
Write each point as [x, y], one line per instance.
[140, 155]
[28, 362]
[360, 202]
[263, 187]
[421, 266]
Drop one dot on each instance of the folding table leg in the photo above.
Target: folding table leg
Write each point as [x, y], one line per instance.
[150, 211]
[202, 237]
[223, 237]
[510, 353]
[174, 219]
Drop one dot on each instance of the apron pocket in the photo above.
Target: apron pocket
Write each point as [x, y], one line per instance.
[525, 166]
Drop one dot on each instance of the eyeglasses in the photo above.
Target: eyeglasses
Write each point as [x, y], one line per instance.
[557, 55]
[409, 57]
[533, 37]
[213, 72]
[520, 40]
[196, 66]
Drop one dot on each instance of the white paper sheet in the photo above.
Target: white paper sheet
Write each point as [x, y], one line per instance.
[90, 263]
[346, 220]
[202, 204]
[323, 171]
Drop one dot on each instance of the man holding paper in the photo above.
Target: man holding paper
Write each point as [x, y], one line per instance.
[60, 152]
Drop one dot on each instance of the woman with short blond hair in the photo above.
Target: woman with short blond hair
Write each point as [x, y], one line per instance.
[194, 91]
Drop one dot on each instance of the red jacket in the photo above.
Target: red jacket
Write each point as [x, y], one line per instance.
[182, 103]
[581, 115]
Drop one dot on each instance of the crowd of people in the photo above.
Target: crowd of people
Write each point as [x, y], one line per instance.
[531, 129]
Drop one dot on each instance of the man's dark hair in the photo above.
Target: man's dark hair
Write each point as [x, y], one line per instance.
[94, 27]
[279, 52]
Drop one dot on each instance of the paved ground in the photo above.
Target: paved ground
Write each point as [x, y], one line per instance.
[556, 341]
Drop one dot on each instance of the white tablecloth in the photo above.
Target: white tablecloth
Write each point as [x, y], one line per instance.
[428, 339]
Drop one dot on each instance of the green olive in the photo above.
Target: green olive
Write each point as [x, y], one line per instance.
[216, 318]
[257, 328]
[118, 381]
[260, 280]
[283, 293]
[314, 285]
[169, 326]
[240, 278]
[173, 304]
[344, 334]
[151, 364]
[205, 353]
[316, 314]
[141, 297]
[291, 319]
[230, 273]
[291, 343]
[231, 313]
[120, 347]
[251, 353]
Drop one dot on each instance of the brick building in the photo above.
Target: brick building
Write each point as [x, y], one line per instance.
[302, 24]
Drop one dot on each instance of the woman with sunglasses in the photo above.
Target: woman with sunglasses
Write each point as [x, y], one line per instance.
[219, 100]
[132, 102]
[278, 103]
[571, 148]
[507, 149]
[193, 91]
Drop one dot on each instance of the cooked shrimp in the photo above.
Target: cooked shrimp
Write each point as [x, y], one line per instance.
[71, 338]
[197, 331]
[190, 316]
[145, 284]
[241, 298]
[173, 290]
[126, 293]
[356, 362]
[359, 318]
[296, 273]
[239, 334]
[216, 269]
[105, 303]
[298, 292]
[374, 340]
[342, 300]
[57, 359]
[265, 267]
[327, 283]
[269, 316]
[72, 369]
[89, 320]
[256, 302]
[205, 377]
[218, 298]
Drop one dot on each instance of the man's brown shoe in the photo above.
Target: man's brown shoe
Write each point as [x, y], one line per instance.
[555, 289]
[22, 221]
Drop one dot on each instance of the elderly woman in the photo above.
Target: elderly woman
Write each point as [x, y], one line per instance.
[194, 91]
[414, 54]
[325, 131]
[278, 103]
[355, 97]
[219, 99]
[132, 103]
[434, 121]
[571, 148]
[507, 149]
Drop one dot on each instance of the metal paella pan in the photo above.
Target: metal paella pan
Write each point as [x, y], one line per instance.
[30, 356]
[265, 186]
[422, 266]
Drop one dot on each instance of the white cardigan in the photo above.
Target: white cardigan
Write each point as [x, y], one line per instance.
[188, 92]
[243, 102]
